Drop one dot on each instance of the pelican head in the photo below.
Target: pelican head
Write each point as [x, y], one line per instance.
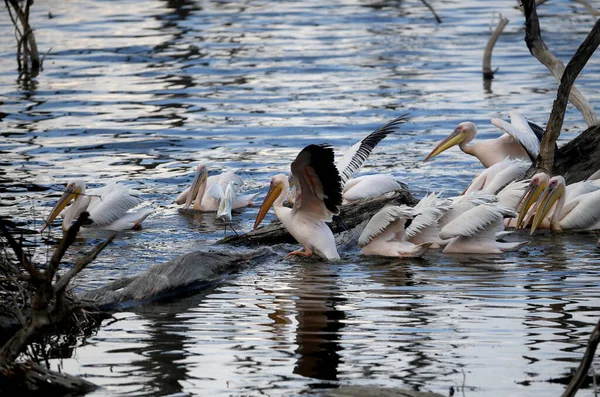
[278, 184]
[554, 191]
[73, 189]
[463, 133]
[536, 186]
[199, 180]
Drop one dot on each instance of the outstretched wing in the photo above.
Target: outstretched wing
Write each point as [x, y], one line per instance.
[318, 182]
[480, 219]
[360, 151]
[520, 130]
[381, 220]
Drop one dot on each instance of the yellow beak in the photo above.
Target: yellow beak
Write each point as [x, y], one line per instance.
[549, 197]
[272, 195]
[62, 203]
[453, 139]
[199, 179]
[529, 197]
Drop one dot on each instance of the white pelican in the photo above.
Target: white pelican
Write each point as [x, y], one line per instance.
[474, 232]
[319, 198]
[494, 178]
[538, 184]
[108, 207]
[425, 227]
[581, 212]
[366, 186]
[384, 235]
[519, 141]
[203, 201]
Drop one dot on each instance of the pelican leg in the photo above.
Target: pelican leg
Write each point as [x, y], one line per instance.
[306, 254]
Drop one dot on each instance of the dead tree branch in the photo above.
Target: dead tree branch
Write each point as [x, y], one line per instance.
[488, 74]
[545, 160]
[540, 51]
[27, 50]
[49, 304]
[437, 18]
[588, 7]
[581, 373]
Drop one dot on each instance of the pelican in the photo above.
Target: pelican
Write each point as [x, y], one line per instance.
[580, 212]
[108, 207]
[493, 179]
[201, 185]
[366, 186]
[384, 235]
[425, 227]
[319, 197]
[538, 184]
[521, 141]
[474, 232]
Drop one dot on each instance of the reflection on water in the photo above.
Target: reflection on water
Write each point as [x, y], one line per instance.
[139, 92]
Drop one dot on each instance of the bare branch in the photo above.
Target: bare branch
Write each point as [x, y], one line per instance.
[437, 18]
[582, 55]
[487, 54]
[80, 264]
[539, 50]
[63, 245]
[584, 366]
[588, 7]
[18, 250]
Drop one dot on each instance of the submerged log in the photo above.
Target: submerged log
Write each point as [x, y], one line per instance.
[351, 215]
[184, 274]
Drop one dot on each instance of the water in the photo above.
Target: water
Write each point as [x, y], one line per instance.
[140, 91]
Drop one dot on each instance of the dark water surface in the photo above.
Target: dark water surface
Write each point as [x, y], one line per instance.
[140, 91]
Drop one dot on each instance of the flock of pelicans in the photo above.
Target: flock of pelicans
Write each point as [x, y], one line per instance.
[473, 222]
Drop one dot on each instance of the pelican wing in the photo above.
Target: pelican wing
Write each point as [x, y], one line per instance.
[111, 204]
[360, 151]
[464, 203]
[318, 182]
[381, 220]
[216, 191]
[229, 176]
[430, 209]
[510, 170]
[368, 186]
[521, 132]
[584, 214]
[475, 221]
[512, 193]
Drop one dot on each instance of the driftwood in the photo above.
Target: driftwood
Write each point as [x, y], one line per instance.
[351, 215]
[184, 274]
[49, 305]
[488, 73]
[542, 53]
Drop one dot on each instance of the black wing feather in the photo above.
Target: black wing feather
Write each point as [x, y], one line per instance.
[368, 144]
[322, 161]
[539, 133]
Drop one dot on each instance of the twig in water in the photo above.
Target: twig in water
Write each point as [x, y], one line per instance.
[588, 7]
[437, 18]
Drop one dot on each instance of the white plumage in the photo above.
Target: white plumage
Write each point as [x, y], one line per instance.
[514, 144]
[198, 192]
[475, 231]
[368, 186]
[108, 207]
[384, 235]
